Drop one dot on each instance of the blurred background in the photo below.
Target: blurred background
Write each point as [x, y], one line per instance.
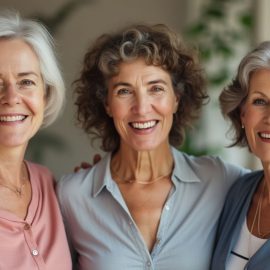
[222, 30]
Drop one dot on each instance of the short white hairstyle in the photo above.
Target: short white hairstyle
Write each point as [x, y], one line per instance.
[33, 33]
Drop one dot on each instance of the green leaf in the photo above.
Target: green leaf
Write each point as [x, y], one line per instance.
[220, 77]
[215, 12]
[197, 29]
[206, 54]
[247, 21]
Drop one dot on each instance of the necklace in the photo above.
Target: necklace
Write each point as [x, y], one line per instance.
[14, 189]
[258, 215]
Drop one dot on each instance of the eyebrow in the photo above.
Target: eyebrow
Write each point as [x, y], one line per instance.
[26, 73]
[258, 92]
[121, 84]
[148, 83]
[157, 81]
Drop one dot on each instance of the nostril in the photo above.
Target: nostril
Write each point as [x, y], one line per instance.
[10, 96]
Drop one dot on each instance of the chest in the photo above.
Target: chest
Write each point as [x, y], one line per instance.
[145, 204]
[118, 232]
[185, 227]
[15, 203]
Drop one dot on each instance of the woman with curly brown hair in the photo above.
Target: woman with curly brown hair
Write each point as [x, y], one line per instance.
[145, 205]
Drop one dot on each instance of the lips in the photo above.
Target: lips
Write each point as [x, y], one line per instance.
[143, 125]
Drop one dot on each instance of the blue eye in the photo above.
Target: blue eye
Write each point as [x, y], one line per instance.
[26, 83]
[259, 101]
[156, 89]
[123, 92]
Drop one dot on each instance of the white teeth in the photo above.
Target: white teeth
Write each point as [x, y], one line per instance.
[11, 118]
[265, 135]
[144, 125]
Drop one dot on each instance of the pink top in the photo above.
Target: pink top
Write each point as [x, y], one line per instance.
[38, 242]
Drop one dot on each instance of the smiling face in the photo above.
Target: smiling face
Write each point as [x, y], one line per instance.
[21, 93]
[141, 101]
[255, 114]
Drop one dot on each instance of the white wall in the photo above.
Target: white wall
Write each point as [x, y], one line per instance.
[262, 29]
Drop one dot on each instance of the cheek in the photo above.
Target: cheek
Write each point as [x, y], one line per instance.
[167, 108]
[118, 110]
[37, 103]
[252, 117]
[118, 114]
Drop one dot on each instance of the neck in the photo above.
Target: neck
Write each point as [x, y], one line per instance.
[12, 169]
[266, 171]
[130, 165]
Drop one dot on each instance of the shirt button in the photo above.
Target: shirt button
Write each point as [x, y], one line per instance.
[27, 226]
[148, 264]
[35, 252]
[167, 207]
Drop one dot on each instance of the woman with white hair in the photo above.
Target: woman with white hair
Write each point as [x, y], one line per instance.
[31, 96]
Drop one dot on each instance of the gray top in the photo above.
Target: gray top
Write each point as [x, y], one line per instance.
[105, 237]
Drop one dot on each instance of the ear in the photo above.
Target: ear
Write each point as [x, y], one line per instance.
[47, 93]
[176, 103]
[107, 108]
[242, 114]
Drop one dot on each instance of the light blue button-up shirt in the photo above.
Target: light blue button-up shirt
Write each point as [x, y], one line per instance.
[105, 236]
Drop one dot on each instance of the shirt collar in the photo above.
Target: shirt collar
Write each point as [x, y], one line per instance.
[182, 171]
[102, 175]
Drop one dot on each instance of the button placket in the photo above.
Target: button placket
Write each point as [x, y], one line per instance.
[148, 265]
[29, 239]
[32, 245]
[35, 252]
[27, 227]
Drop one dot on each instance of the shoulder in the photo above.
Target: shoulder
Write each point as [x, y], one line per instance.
[198, 161]
[40, 174]
[244, 185]
[77, 185]
[72, 181]
[72, 188]
[237, 201]
[240, 194]
[38, 169]
[209, 164]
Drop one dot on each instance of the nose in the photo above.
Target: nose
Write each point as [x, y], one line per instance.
[142, 104]
[9, 95]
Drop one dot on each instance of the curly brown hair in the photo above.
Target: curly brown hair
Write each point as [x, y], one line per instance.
[157, 45]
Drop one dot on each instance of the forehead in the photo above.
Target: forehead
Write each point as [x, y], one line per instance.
[18, 56]
[260, 80]
[139, 70]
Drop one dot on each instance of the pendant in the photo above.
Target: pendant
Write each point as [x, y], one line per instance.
[18, 192]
